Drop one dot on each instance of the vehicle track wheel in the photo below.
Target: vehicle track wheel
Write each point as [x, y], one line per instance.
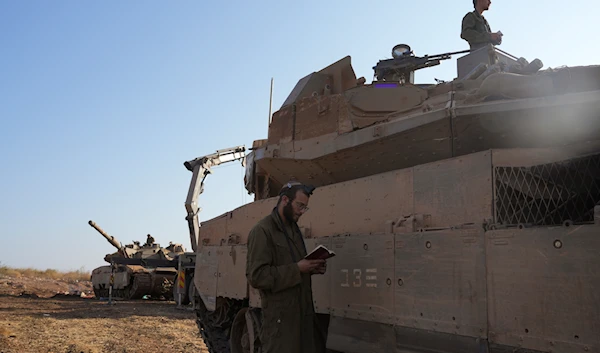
[244, 332]
[239, 341]
[215, 327]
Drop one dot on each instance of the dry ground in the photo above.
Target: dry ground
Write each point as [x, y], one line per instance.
[34, 318]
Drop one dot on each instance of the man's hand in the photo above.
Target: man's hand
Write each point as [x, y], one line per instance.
[496, 37]
[309, 266]
[321, 269]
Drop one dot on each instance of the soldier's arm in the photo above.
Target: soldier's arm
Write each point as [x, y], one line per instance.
[260, 272]
[470, 34]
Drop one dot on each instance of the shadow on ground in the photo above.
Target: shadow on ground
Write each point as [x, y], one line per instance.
[69, 308]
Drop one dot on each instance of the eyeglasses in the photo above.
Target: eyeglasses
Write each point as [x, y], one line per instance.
[301, 206]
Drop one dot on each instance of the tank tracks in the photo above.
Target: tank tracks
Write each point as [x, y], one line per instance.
[141, 285]
[215, 327]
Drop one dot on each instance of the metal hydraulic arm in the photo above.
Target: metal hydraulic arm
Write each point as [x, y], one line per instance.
[200, 167]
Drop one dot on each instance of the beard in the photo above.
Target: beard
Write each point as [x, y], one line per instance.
[288, 213]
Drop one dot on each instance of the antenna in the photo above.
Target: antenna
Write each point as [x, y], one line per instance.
[270, 100]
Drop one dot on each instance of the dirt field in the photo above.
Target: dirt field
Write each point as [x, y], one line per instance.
[37, 316]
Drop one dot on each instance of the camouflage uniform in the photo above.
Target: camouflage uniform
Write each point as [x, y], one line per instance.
[289, 321]
[476, 30]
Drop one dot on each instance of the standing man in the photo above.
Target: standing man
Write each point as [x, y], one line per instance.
[276, 267]
[475, 28]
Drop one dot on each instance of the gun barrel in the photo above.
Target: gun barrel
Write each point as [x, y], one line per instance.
[112, 240]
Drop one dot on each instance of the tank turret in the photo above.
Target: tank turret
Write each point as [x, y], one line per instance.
[334, 127]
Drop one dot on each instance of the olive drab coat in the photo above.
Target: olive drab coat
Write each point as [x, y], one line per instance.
[286, 294]
[476, 30]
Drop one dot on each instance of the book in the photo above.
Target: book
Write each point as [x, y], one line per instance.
[320, 253]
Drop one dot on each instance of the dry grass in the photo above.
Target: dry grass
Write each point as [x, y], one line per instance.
[33, 319]
[71, 276]
[74, 325]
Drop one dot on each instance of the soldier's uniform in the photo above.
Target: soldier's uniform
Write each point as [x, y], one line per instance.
[476, 30]
[289, 322]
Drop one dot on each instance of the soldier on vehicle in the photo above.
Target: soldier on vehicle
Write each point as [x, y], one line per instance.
[277, 268]
[475, 28]
[149, 240]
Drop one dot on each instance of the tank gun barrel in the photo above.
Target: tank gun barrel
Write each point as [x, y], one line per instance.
[112, 240]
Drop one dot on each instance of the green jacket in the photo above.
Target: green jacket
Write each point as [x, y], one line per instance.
[476, 30]
[286, 294]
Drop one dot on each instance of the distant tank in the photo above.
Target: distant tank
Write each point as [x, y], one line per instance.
[139, 270]
[465, 215]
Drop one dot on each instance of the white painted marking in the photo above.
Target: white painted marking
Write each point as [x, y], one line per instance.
[346, 284]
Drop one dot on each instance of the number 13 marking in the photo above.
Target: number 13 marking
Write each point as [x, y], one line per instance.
[357, 273]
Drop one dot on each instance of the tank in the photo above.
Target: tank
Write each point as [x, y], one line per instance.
[464, 214]
[136, 270]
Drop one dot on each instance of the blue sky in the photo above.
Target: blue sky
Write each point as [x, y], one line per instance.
[102, 102]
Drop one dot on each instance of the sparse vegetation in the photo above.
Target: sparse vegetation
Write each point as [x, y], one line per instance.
[76, 275]
[77, 325]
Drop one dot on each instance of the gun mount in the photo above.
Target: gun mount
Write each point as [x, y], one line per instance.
[404, 64]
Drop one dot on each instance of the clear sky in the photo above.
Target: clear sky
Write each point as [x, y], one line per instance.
[102, 102]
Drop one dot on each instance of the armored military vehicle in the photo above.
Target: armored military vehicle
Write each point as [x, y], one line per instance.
[465, 215]
[136, 270]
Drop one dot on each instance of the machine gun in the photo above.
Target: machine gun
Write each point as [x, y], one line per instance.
[200, 167]
[402, 67]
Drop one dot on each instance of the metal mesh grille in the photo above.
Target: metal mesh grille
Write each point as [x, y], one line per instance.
[548, 194]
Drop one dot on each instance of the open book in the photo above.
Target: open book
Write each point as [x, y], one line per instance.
[320, 253]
